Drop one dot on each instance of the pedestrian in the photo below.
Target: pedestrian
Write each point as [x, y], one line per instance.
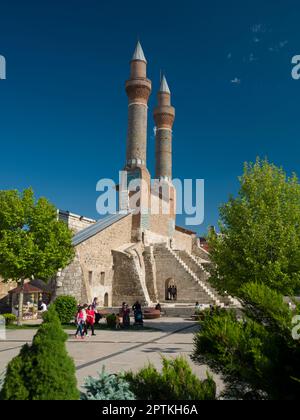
[90, 319]
[138, 313]
[95, 303]
[126, 316]
[43, 307]
[85, 306]
[80, 323]
[169, 293]
[175, 293]
[158, 307]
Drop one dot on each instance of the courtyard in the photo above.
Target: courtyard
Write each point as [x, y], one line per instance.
[119, 350]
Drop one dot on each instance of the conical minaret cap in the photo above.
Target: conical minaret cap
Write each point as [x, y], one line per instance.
[164, 87]
[139, 53]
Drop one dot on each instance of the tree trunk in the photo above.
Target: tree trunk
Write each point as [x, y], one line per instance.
[21, 300]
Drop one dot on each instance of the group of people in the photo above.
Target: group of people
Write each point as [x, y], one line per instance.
[172, 293]
[86, 318]
[124, 315]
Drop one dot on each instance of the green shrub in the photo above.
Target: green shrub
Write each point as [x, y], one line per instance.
[257, 355]
[111, 320]
[66, 307]
[175, 382]
[44, 370]
[9, 319]
[107, 387]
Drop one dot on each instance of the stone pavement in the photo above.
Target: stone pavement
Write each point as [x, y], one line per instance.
[119, 350]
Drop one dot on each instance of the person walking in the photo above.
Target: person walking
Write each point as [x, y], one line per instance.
[80, 323]
[90, 319]
[85, 306]
[95, 304]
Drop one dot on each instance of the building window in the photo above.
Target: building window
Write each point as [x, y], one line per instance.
[90, 278]
[102, 278]
[106, 300]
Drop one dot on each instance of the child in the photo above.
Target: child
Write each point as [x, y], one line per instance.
[118, 322]
[80, 323]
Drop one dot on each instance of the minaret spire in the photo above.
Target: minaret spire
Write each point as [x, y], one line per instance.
[164, 115]
[139, 53]
[138, 89]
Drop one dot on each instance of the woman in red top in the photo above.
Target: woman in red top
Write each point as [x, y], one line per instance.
[90, 319]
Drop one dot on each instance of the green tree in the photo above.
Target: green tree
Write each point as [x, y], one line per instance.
[260, 232]
[256, 353]
[33, 243]
[44, 370]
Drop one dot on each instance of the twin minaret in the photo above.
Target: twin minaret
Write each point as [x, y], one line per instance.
[138, 89]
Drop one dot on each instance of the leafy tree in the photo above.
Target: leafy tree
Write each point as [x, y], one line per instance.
[260, 232]
[256, 354]
[33, 243]
[175, 382]
[44, 370]
[65, 307]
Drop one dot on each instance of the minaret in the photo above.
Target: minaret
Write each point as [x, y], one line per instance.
[164, 115]
[138, 89]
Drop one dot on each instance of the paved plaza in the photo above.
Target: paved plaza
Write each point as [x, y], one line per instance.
[119, 350]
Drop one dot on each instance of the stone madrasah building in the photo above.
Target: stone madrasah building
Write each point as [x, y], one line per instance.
[137, 255]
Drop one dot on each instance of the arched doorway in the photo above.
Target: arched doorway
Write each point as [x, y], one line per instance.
[106, 300]
[170, 289]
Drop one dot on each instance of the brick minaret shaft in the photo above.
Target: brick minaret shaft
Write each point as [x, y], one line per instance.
[164, 115]
[138, 89]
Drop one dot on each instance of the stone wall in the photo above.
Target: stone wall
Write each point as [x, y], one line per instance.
[74, 221]
[183, 241]
[93, 267]
[150, 272]
[129, 283]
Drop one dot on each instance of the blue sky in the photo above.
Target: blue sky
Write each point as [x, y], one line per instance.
[63, 108]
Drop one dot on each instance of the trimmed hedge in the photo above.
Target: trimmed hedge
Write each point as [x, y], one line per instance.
[44, 370]
[9, 319]
[66, 307]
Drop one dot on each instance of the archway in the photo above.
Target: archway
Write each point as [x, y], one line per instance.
[170, 289]
[106, 300]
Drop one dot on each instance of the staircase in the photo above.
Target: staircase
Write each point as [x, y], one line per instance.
[190, 288]
[196, 266]
[197, 272]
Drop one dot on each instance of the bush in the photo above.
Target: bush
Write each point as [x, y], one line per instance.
[111, 320]
[175, 382]
[9, 319]
[44, 370]
[107, 387]
[257, 356]
[66, 307]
